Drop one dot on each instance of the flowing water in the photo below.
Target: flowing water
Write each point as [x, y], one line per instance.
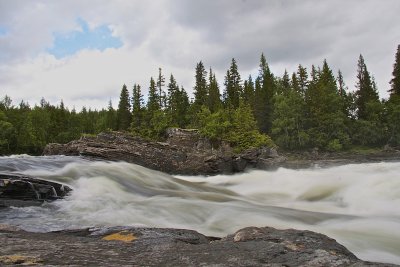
[357, 204]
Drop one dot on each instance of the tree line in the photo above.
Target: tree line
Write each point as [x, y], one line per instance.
[298, 111]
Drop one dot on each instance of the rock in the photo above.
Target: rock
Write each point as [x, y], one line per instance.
[22, 190]
[183, 152]
[127, 246]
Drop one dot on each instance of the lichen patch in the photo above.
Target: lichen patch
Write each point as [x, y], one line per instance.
[123, 236]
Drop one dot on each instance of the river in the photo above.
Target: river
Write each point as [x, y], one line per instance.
[356, 204]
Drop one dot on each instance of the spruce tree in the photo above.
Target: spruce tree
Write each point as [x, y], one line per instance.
[153, 102]
[160, 85]
[264, 94]
[395, 82]
[200, 88]
[214, 97]
[137, 108]
[233, 88]
[248, 91]
[124, 112]
[302, 78]
[366, 90]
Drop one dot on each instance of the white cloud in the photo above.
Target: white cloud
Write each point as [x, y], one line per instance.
[176, 34]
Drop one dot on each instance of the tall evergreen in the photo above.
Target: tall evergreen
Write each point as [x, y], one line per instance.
[200, 89]
[124, 112]
[264, 94]
[395, 81]
[366, 90]
[302, 78]
[214, 96]
[110, 120]
[160, 85]
[233, 88]
[153, 102]
[327, 128]
[137, 108]
[248, 91]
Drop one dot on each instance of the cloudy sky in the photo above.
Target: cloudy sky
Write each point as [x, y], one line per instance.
[84, 51]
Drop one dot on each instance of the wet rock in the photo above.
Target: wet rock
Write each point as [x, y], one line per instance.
[22, 190]
[127, 246]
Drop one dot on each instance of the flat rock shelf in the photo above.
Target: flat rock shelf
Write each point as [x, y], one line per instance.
[127, 246]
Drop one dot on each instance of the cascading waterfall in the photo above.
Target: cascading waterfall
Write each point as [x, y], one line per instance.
[357, 204]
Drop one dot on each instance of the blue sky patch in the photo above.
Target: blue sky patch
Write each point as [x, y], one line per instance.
[3, 31]
[69, 43]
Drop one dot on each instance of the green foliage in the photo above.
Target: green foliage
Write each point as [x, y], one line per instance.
[237, 127]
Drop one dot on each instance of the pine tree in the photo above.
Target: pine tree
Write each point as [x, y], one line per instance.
[124, 112]
[233, 88]
[214, 97]
[200, 88]
[395, 82]
[366, 91]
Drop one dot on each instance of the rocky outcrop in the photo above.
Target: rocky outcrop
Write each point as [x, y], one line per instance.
[183, 152]
[22, 190]
[124, 246]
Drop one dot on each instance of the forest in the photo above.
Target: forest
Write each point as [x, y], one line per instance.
[303, 110]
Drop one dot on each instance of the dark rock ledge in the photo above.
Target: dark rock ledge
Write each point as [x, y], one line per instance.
[183, 152]
[124, 246]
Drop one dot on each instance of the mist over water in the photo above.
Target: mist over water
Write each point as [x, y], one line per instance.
[357, 204]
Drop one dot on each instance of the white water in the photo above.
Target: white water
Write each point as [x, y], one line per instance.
[358, 204]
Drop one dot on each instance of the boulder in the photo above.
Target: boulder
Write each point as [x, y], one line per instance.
[127, 246]
[22, 190]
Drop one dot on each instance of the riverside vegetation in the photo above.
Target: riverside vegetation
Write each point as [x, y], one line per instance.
[304, 110]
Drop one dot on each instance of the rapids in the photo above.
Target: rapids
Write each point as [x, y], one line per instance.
[357, 204]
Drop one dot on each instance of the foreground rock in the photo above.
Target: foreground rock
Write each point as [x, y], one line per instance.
[123, 246]
[22, 190]
[183, 152]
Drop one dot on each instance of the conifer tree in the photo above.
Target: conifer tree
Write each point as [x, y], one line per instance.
[302, 78]
[200, 87]
[214, 97]
[124, 112]
[248, 91]
[110, 120]
[137, 108]
[326, 119]
[395, 82]
[153, 102]
[264, 93]
[160, 85]
[366, 90]
[233, 88]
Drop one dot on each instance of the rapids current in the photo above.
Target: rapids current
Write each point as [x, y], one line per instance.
[357, 204]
